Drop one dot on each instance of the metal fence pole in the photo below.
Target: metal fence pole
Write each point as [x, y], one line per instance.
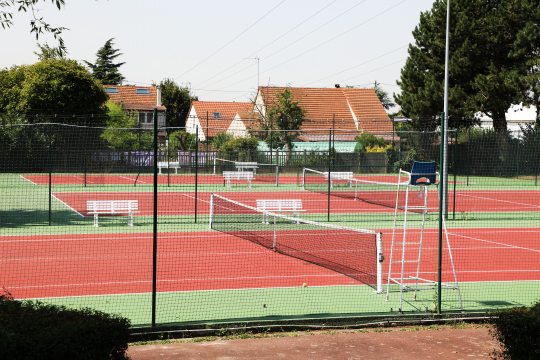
[196, 167]
[537, 157]
[84, 154]
[517, 159]
[50, 175]
[329, 169]
[455, 173]
[441, 205]
[468, 152]
[154, 229]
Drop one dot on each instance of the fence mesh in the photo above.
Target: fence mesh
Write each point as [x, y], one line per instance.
[77, 211]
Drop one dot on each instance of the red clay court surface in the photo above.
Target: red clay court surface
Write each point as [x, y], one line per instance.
[183, 203]
[129, 179]
[99, 264]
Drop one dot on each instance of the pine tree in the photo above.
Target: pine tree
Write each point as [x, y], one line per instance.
[488, 66]
[104, 69]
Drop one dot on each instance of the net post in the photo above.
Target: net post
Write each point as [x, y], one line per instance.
[211, 211]
[380, 259]
[304, 178]
[154, 230]
[441, 205]
[455, 174]
[215, 164]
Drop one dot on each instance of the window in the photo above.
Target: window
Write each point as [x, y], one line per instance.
[111, 90]
[143, 91]
[146, 118]
[217, 115]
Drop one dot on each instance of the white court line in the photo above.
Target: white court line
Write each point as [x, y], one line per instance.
[505, 201]
[173, 280]
[93, 237]
[123, 177]
[67, 205]
[494, 242]
[30, 181]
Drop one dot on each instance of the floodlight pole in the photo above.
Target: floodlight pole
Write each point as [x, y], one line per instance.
[444, 133]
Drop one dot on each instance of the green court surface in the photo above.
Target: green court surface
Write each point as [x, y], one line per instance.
[280, 303]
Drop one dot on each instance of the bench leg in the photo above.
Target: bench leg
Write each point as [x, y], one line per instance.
[96, 220]
[331, 183]
[298, 218]
[159, 171]
[228, 182]
[176, 170]
[130, 222]
[249, 183]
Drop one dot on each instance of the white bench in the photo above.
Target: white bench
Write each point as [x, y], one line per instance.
[247, 165]
[168, 165]
[291, 205]
[97, 207]
[344, 175]
[237, 175]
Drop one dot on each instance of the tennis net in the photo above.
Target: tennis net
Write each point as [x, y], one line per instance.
[344, 185]
[352, 252]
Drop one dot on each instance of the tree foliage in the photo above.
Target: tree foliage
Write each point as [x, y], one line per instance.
[488, 61]
[177, 100]
[104, 69]
[220, 139]
[123, 132]
[37, 24]
[181, 140]
[286, 114]
[49, 53]
[61, 87]
[240, 144]
[385, 99]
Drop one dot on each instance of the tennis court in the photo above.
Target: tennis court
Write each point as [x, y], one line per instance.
[220, 266]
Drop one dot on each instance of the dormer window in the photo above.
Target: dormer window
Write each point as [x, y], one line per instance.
[143, 92]
[111, 90]
[217, 115]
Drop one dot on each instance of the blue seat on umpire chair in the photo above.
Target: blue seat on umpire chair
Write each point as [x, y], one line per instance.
[423, 170]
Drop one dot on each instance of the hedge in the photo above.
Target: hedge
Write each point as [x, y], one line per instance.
[34, 330]
[518, 332]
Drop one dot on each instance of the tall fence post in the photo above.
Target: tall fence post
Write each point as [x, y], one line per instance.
[517, 158]
[50, 175]
[537, 157]
[468, 152]
[441, 204]
[455, 173]
[84, 154]
[329, 169]
[154, 229]
[196, 167]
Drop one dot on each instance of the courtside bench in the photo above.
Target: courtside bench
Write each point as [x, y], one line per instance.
[168, 165]
[246, 165]
[279, 205]
[237, 175]
[344, 175]
[112, 207]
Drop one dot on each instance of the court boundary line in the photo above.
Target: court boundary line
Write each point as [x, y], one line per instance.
[30, 181]
[54, 196]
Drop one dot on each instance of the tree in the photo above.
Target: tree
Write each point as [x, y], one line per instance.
[181, 140]
[104, 69]
[177, 100]
[49, 53]
[385, 99]
[123, 132]
[287, 115]
[61, 87]
[487, 68]
[220, 139]
[37, 25]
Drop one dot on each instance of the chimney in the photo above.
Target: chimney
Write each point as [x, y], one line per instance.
[337, 86]
[158, 96]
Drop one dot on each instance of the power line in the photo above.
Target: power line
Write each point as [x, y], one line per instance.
[382, 67]
[236, 37]
[324, 43]
[270, 43]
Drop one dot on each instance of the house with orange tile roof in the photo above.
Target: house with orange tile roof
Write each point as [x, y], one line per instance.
[211, 117]
[348, 111]
[140, 99]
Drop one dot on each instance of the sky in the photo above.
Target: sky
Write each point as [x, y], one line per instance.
[222, 50]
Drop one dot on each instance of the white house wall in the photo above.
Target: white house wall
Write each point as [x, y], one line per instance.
[192, 123]
[259, 105]
[237, 128]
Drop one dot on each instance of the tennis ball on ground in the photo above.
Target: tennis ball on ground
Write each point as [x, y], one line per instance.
[304, 285]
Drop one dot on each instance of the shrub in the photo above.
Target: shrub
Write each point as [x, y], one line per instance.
[370, 140]
[518, 332]
[34, 330]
